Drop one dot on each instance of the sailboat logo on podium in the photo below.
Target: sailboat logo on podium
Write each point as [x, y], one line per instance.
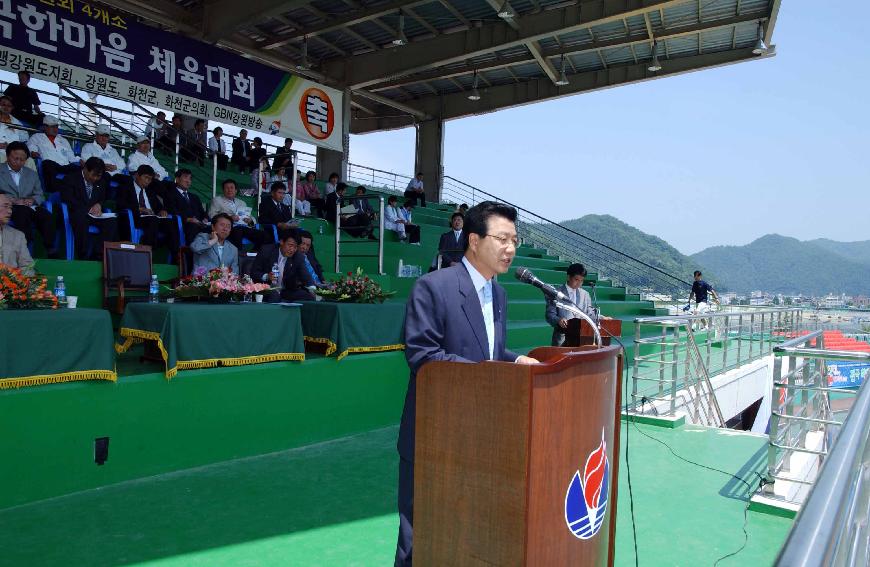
[586, 499]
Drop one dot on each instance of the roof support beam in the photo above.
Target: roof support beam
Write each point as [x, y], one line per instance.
[496, 98]
[595, 46]
[223, 16]
[162, 12]
[372, 68]
[456, 14]
[416, 113]
[538, 54]
[351, 19]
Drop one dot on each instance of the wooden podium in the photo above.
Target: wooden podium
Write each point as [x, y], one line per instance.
[508, 456]
[580, 333]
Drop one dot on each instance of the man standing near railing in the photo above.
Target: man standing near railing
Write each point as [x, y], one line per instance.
[700, 289]
[25, 100]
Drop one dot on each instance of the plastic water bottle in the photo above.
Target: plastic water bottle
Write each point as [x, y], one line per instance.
[154, 290]
[275, 273]
[401, 266]
[60, 290]
[320, 229]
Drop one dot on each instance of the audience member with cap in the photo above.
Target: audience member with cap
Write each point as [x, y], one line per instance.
[85, 194]
[144, 156]
[213, 249]
[55, 151]
[150, 215]
[23, 187]
[100, 148]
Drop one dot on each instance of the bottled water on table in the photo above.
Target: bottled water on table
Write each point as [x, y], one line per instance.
[154, 290]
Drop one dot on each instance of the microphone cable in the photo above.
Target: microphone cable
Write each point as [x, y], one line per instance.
[762, 481]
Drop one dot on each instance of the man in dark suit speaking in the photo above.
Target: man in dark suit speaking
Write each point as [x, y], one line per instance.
[457, 314]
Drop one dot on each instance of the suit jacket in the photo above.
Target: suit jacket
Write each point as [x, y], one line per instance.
[28, 186]
[554, 313]
[241, 149]
[178, 205]
[450, 249]
[206, 255]
[295, 272]
[444, 322]
[126, 199]
[73, 193]
[270, 213]
[318, 269]
[331, 202]
[13, 251]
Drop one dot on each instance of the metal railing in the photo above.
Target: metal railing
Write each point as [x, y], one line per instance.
[569, 245]
[339, 254]
[832, 526]
[803, 425]
[378, 179]
[675, 356]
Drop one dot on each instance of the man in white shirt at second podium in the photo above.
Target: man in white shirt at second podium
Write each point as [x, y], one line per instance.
[573, 288]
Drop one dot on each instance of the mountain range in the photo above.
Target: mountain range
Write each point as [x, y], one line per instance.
[783, 264]
[772, 263]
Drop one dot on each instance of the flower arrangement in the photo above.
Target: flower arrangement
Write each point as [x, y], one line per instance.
[218, 283]
[18, 291]
[356, 287]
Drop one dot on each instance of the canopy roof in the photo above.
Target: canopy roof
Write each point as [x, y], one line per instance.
[405, 61]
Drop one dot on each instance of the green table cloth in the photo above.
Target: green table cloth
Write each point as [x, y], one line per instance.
[348, 328]
[205, 335]
[45, 346]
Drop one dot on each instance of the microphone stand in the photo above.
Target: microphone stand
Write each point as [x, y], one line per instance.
[569, 306]
[595, 304]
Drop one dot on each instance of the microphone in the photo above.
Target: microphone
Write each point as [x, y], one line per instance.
[526, 276]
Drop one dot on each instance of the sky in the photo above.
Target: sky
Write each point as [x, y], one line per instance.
[717, 157]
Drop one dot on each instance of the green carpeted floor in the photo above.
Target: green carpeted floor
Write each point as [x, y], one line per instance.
[333, 504]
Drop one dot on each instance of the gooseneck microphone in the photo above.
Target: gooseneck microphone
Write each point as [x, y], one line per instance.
[526, 276]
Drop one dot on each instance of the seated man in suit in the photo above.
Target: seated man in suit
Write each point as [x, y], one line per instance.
[185, 204]
[13, 245]
[293, 280]
[274, 211]
[363, 205]
[149, 213]
[355, 224]
[452, 243]
[306, 246]
[214, 250]
[23, 187]
[558, 317]
[84, 194]
[196, 143]
[54, 150]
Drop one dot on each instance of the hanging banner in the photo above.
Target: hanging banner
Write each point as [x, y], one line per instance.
[90, 48]
[847, 374]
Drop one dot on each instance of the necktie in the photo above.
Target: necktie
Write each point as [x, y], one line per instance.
[141, 198]
[311, 271]
[89, 189]
[488, 319]
[186, 196]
